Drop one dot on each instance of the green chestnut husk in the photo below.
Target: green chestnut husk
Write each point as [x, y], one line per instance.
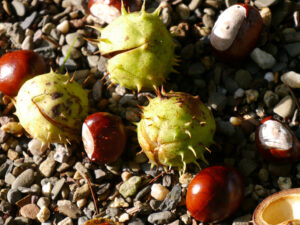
[140, 50]
[176, 128]
[51, 107]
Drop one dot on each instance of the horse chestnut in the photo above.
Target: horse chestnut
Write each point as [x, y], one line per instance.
[108, 10]
[236, 32]
[17, 67]
[104, 137]
[215, 193]
[276, 142]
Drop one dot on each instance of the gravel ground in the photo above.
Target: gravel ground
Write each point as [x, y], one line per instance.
[53, 186]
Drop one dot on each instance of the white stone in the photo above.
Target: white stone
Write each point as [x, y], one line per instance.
[263, 59]
[43, 215]
[291, 79]
[46, 189]
[159, 192]
[63, 27]
[66, 221]
[81, 203]
[124, 218]
[239, 93]
[269, 76]
[285, 107]
[36, 147]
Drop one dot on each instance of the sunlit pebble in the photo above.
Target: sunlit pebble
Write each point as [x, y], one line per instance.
[235, 121]
[46, 189]
[126, 175]
[81, 203]
[269, 76]
[159, 192]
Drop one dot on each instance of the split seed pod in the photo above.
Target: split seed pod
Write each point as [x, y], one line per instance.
[140, 50]
[176, 129]
[50, 108]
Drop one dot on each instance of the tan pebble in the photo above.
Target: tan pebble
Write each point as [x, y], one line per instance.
[66, 221]
[185, 178]
[12, 155]
[43, 214]
[63, 27]
[30, 211]
[81, 203]
[14, 128]
[159, 192]
[77, 176]
[124, 218]
[266, 15]
[235, 121]
[125, 176]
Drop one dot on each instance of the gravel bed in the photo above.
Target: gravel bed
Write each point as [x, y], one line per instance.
[52, 187]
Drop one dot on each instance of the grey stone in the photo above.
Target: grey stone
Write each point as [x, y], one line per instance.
[67, 208]
[293, 49]
[172, 199]
[19, 7]
[9, 178]
[13, 195]
[136, 221]
[166, 16]
[217, 101]
[264, 3]
[229, 3]
[28, 20]
[161, 217]
[25, 179]
[142, 193]
[242, 220]
[291, 79]
[47, 167]
[27, 44]
[81, 192]
[284, 183]
[102, 64]
[57, 188]
[113, 212]
[247, 166]
[3, 169]
[70, 64]
[196, 69]
[243, 78]
[225, 127]
[20, 220]
[130, 187]
[3, 138]
[70, 38]
[208, 21]
[43, 202]
[263, 59]
[75, 53]
[282, 90]
[291, 37]
[93, 60]
[285, 107]
[270, 98]
[82, 220]
[47, 28]
[194, 4]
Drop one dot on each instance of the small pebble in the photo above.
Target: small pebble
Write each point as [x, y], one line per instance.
[43, 215]
[63, 27]
[284, 183]
[285, 107]
[30, 211]
[291, 79]
[66, 221]
[159, 192]
[269, 76]
[263, 59]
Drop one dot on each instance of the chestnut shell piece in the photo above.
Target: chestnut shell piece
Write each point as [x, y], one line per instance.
[246, 38]
[18, 66]
[215, 193]
[276, 142]
[100, 221]
[280, 208]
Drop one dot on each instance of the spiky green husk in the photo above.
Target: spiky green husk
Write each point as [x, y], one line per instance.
[51, 108]
[176, 129]
[142, 50]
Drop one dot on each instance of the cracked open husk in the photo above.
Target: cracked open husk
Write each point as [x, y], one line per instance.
[140, 50]
[176, 129]
[50, 107]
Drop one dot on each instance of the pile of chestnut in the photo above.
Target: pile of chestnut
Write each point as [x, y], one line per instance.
[216, 192]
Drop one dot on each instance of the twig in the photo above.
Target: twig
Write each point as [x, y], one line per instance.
[93, 194]
[294, 97]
